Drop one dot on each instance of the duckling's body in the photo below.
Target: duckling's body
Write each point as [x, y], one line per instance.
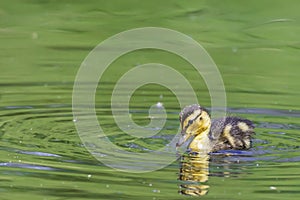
[231, 133]
[210, 136]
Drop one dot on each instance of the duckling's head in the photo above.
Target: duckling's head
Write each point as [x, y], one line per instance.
[194, 120]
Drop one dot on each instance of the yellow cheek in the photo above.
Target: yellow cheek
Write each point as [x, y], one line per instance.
[191, 129]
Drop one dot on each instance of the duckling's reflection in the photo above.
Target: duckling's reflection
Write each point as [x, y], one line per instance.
[194, 170]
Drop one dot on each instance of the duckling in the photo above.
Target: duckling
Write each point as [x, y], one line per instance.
[210, 136]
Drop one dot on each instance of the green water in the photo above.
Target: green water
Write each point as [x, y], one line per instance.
[255, 45]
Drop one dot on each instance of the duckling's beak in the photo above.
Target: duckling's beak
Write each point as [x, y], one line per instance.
[183, 138]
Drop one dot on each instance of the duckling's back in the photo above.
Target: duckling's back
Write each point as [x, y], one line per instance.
[231, 133]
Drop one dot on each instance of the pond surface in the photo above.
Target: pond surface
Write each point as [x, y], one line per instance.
[255, 45]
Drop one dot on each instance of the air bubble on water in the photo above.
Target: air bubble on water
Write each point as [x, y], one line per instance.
[89, 176]
[273, 188]
[75, 120]
[34, 35]
[150, 184]
[159, 105]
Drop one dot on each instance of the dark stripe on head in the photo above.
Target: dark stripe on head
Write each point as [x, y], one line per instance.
[188, 110]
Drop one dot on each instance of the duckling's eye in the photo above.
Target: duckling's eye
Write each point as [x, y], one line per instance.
[190, 121]
[200, 118]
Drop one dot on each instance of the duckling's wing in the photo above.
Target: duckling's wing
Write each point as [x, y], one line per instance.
[231, 133]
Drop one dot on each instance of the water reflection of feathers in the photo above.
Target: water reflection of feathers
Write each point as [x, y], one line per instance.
[195, 170]
[194, 175]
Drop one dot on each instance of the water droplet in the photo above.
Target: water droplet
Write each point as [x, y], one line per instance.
[273, 188]
[159, 105]
[234, 49]
[34, 35]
